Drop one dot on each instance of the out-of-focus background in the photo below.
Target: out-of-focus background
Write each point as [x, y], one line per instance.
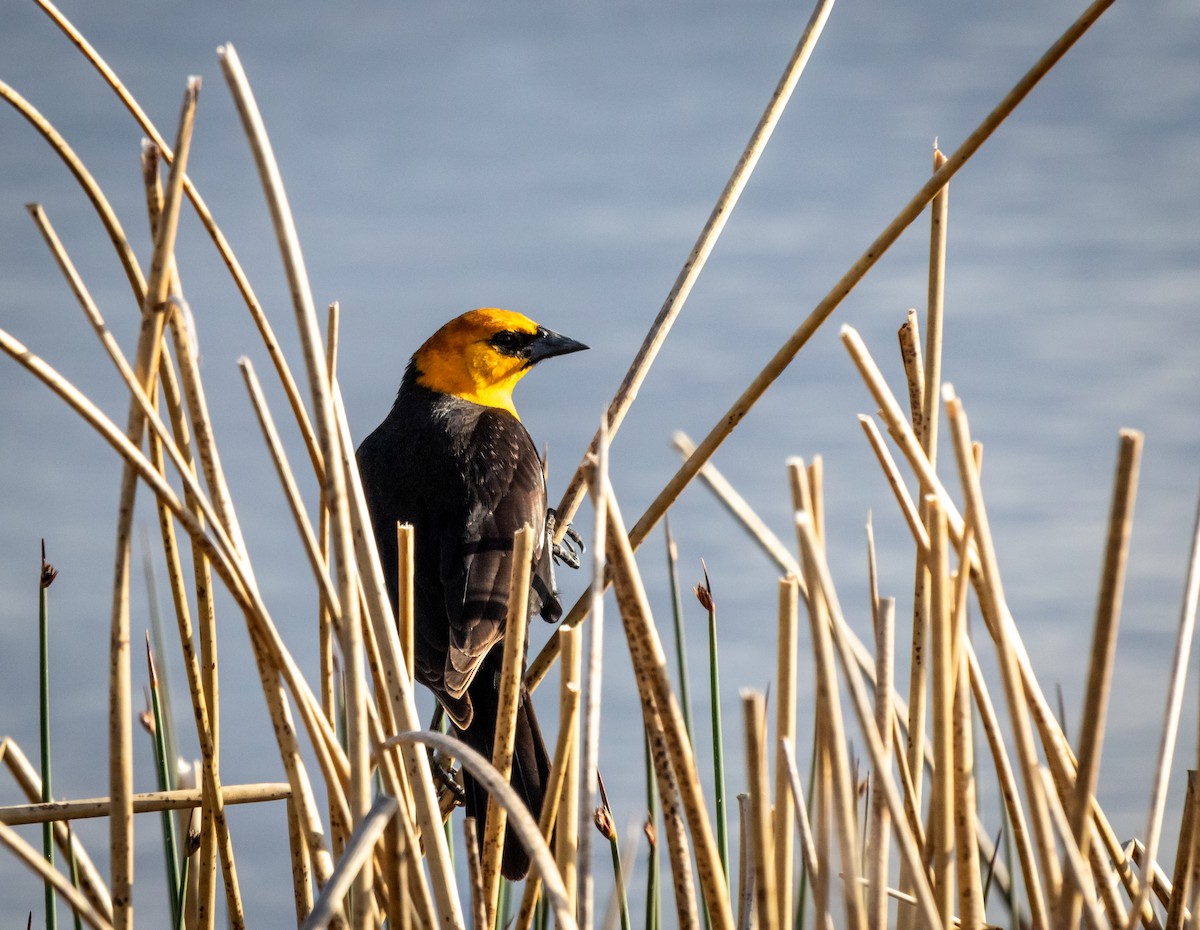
[560, 159]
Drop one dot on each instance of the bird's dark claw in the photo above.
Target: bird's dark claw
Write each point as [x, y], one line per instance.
[572, 546]
[449, 789]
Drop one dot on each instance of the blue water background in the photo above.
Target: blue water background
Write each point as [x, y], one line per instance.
[560, 159]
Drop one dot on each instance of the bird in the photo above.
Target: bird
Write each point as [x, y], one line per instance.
[453, 459]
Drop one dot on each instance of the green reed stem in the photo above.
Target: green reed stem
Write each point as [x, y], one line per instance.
[605, 824]
[704, 595]
[685, 685]
[48, 574]
[165, 783]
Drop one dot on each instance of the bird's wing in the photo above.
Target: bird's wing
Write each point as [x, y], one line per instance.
[506, 491]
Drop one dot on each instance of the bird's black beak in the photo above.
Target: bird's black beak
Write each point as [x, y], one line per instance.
[549, 344]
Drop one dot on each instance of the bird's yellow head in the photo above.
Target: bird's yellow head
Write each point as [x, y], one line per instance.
[481, 355]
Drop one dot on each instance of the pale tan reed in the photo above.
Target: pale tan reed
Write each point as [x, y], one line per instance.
[504, 737]
[552, 802]
[590, 751]
[639, 368]
[825, 308]
[62, 885]
[650, 667]
[941, 793]
[879, 828]
[754, 712]
[785, 729]
[571, 828]
[1103, 654]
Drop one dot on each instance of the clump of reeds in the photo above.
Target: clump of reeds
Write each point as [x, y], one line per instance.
[365, 826]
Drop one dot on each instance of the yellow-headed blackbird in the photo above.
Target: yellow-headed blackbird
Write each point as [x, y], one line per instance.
[453, 459]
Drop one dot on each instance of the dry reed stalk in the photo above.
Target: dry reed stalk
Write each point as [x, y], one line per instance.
[143, 803]
[519, 818]
[552, 802]
[909, 336]
[745, 896]
[506, 710]
[1170, 727]
[91, 189]
[30, 782]
[120, 750]
[404, 865]
[206, 219]
[941, 794]
[970, 889]
[329, 597]
[1192, 899]
[815, 473]
[829, 702]
[301, 864]
[739, 508]
[754, 712]
[597, 482]
[674, 817]
[638, 369]
[1181, 875]
[74, 898]
[788, 351]
[397, 688]
[333, 484]
[571, 828]
[409, 877]
[823, 804]
[405, 609]
[838, 630]
[876, 871]
[653, 680]
[479, 905]
[993, 603]
[785, 729]
[355, 858]
[218, 549]
[1051, 736]
[1104, 646]
[1136, 853]
[808, 848]
[1009, 793]
[204, 899]
[180, 453]
[1074, 866]
[939, 212]
[909, 510]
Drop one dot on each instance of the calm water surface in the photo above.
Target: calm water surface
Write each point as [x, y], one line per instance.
[561, 160]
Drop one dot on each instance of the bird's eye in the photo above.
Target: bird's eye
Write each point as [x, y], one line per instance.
[509, 342]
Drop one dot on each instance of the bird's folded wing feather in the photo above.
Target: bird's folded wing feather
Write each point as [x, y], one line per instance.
[506, 492]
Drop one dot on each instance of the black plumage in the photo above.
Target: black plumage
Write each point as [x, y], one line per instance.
[466, 475]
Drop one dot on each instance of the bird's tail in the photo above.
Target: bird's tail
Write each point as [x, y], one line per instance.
[530, 768]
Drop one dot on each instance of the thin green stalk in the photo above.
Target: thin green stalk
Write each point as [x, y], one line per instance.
[165, 783]
[704, 595]
[653, 910]
[48, 574]
[504, 905]
[604, 823]
[685, 686]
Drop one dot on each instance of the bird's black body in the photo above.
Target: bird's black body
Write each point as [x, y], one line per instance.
[466, 476]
